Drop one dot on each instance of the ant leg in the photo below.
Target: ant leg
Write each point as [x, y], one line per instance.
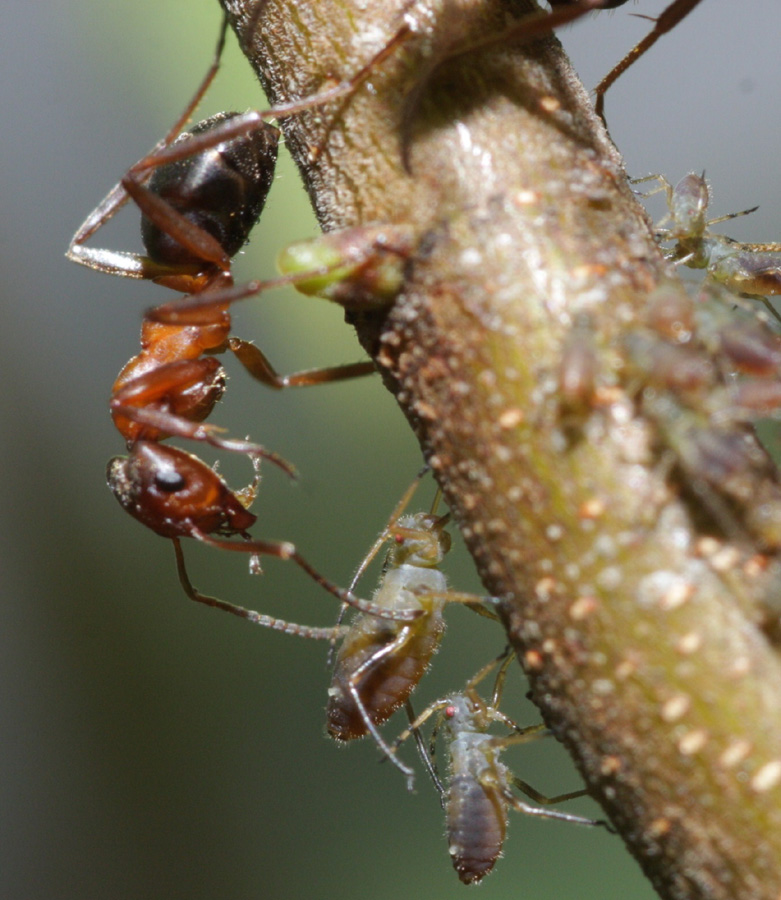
[160, 420]
[421, 720]
[117, 197]
[669, 18]
[304, 631]
[257, 364]
[530, 27]
[198, 242]
[137, 417]
[358, 268]
[375, 548]
[285, 550]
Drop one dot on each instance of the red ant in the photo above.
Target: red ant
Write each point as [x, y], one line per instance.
[200, 194]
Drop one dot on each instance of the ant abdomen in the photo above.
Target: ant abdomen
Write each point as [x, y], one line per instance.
[174, 493]
[221, 190]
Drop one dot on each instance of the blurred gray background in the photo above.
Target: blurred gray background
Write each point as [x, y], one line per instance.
[152, 748]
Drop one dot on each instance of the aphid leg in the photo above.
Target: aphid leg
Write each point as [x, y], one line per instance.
[256, 618]
[736, 215]
[662, 185]
[428, 756]
[535, 795]
[375, 659]
[665, 22]
[540, 811]
[375, 549]
[414, 726]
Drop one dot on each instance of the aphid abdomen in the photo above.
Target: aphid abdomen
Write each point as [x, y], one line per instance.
[389, 675]
[388, 682]
[749, 273]
[476, 812]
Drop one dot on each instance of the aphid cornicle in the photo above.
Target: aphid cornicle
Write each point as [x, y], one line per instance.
[200, 193]
[478, 793]
[381, 661]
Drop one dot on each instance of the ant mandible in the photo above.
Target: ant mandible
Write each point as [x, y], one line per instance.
[200, 193]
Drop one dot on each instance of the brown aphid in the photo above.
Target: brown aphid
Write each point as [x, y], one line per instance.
[671, 313]
[579, 366]
[760, 395]
[751, 348]
[688, 372]
[381, 661]
[677, 367]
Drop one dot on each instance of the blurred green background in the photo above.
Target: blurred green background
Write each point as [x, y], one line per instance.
[151, 748]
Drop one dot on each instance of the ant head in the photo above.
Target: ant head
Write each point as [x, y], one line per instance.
[174, 493]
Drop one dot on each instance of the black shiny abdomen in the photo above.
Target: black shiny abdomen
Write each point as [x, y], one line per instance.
[222, 190]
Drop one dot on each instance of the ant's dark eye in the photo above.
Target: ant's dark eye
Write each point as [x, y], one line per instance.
[169, 481]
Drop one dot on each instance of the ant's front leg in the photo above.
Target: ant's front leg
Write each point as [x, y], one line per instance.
[358, 268]
[258, 365]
